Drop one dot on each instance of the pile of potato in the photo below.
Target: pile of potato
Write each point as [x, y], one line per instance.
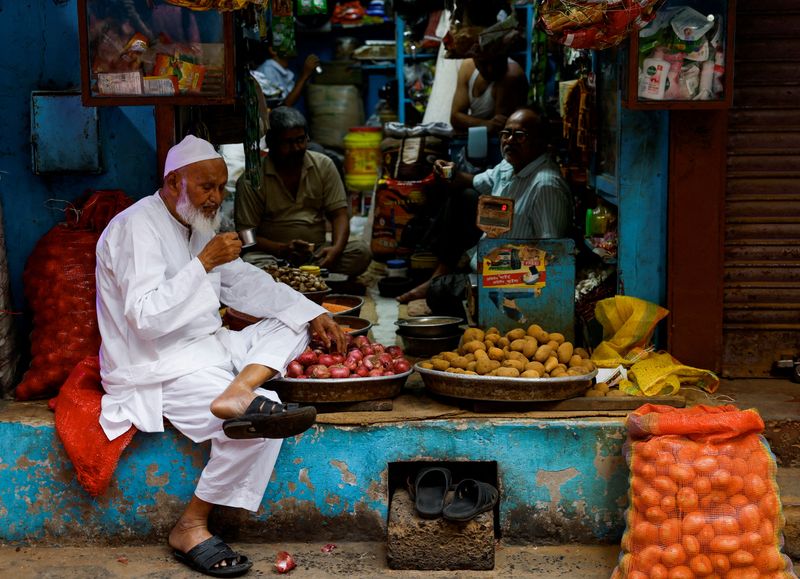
[603, 389]
[524, 353]
[297, 279]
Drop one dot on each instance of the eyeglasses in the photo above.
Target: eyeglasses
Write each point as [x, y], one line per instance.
[520, 136]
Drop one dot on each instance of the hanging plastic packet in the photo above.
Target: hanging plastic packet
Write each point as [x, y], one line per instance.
[690, 26]
[310, 7]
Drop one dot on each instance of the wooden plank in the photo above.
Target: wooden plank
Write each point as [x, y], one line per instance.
[601, 403]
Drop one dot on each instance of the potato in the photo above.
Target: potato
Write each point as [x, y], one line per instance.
[426, 365]
[536, 366]
[495, 364]
[564, 352]
[616, 393]
[471, 366]
[592, 393]
[556, 372]
[493, 331]
[459, 362]
[484, 366]
[537, 332]
[520, 366]
[530, 374]
[517, 345]
[543, 353]
[557, 337]
[553, 344]
[575, 360]
[574, 372]
[449, 356]
[550, 364]
[506, 371]
[602, 387]
[471, 372]
[488, 344]
[441, 365]
[502, 342]
[581, 352]
[481, 354]
[587, 365]
[470, 357]
[516, 356]
[529, 347]
[496, 353]
[472, 334]
[453, 370]
[515, 334]
[473, 345]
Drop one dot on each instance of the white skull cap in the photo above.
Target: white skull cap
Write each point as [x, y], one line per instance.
[189, 150]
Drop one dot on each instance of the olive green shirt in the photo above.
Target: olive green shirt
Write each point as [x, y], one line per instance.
[279, 216]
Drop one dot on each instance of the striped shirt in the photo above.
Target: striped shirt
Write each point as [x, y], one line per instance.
[542, 199]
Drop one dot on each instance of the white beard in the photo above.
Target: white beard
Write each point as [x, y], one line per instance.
[194, 217]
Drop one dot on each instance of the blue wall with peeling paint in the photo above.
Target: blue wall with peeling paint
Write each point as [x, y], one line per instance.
[41, 52]
[331, 483]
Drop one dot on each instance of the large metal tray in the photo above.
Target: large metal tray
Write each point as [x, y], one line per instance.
[504, 389]
[321, 390]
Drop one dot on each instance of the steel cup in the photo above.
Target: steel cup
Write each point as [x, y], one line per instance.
[247, 237]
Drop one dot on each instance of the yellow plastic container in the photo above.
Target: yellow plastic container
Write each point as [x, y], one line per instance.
[312, 269]
[362, 157]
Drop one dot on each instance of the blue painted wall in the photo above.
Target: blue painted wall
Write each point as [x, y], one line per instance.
[41, 52]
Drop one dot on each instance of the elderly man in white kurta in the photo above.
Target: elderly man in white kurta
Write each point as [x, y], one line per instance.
[162, 273]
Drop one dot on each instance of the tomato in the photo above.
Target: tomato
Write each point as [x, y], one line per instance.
[769, 505]
[767, 531]
[701, 566]
[659, 572]
[739, 467]
[705, 464]
[754, 486]
[743, 573]
[681, 474]
[725, 462]
[687, 499]
[725, 525]
[681, 572]
[673, 555]
[669, 504]
[739, 501]
[669, 532]
[650, 497]
[752, 541]
[749, 517]
[693, 522]
[646, 450]
[720, 562]
[741, 558]
[646, 471]
[769, 559]
[720, 478]
[691, 545]
[645, 533]
[665, 485]
[664, 460]
[638, 484]
[712, 499]
[637, 575]
[725, 544]
[655, 515]
[649, 556]
[687, 452]
[702, 485]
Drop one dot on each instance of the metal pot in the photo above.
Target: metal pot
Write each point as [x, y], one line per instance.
[429, 326]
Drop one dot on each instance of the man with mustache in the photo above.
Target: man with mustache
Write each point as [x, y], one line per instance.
[162, 274]
[300, 190]
[543, 203]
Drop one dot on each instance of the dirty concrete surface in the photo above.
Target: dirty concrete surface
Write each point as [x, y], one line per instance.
[357, 560]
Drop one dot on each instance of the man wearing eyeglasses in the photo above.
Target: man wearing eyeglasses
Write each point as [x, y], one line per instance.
[543, 205]
[300, 190]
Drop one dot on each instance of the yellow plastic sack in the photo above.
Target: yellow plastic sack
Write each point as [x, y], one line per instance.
[662, 375]
[628, 323]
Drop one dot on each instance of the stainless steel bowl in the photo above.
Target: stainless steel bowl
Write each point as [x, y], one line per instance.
[427, 347]
[353, 303]
[429, 326]
[354, 325]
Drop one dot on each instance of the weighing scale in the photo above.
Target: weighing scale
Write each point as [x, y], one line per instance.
[522, 281]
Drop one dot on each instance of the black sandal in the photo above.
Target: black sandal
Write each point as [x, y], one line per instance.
[267, 419]
[472, 497]
[203, 556]
[430, 489]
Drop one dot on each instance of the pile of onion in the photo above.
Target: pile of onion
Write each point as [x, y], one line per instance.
[363, 359]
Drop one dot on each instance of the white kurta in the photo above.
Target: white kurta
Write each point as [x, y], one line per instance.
[158, 311]
[165, 353]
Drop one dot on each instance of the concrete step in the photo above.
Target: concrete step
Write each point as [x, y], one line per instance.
[357, 560]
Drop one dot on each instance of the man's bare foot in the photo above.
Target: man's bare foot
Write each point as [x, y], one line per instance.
[233, 401]
[417, 293]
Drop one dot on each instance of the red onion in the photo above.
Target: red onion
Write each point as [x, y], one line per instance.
[362, 371]
[378, 348]
[395, 351]
[401, 365]
[375, 372]
[326, 360]
[386, 359]
[355, 354]
[318, 371]
[339, 371]
[337, 358]
[284, 562]
[307, 358]
[367, 350]
[294, 369]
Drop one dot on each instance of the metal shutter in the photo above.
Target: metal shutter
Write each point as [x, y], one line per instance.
[762, 202]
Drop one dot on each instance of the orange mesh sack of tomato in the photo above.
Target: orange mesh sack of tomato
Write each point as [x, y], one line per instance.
[59, 285]
[703, 501]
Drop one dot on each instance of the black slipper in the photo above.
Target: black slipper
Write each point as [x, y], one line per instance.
[267, 419]
[472, 497]
[430, 489]
[203, 556]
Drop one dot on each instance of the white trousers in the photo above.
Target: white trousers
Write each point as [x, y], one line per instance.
[237, 471]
